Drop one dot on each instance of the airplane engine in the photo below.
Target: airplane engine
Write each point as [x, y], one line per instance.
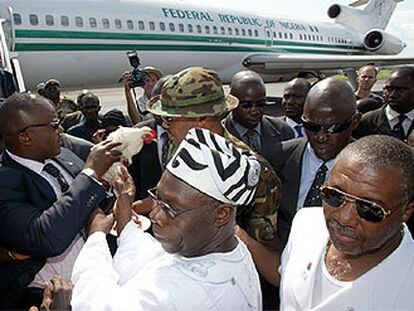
[381, 42]
[340, 11]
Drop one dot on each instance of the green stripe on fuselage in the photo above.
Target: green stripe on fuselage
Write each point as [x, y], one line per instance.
[91, 35]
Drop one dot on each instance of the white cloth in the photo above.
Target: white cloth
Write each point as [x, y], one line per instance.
[142, 276]
[160, 142]
[310, 166]
[62, 264]
[387, 286]
[392, 117]
[292, 124]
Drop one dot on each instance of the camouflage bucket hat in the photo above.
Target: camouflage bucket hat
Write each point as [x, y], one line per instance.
[193, 92]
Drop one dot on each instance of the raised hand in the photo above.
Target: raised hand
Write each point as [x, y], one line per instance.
[102, 157]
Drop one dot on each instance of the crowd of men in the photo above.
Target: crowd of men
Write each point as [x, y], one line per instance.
[308, 211]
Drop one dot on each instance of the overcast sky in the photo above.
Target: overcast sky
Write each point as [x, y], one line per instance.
[402, 22]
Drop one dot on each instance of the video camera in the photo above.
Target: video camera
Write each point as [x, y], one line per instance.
[138, 77]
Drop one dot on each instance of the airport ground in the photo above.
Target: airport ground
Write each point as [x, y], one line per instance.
[113, 96]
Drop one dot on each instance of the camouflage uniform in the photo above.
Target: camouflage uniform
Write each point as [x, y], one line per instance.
[198, 92]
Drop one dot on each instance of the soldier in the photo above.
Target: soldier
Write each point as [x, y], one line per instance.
[194, 98]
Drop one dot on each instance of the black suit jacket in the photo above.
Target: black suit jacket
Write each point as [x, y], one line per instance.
[34, 222]
[273, 132]
[145, 168]
[286, 159]
[375, 122]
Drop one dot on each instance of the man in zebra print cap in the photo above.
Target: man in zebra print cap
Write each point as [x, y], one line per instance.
[195, 261]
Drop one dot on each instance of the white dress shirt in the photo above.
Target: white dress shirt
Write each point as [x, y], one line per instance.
[392, 117]
[292, 124]
[142, 276]
[310, 165]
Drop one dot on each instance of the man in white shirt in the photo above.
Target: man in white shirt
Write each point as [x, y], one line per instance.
[195, 262]
[396, 117]
[293, 100]
[356, 253]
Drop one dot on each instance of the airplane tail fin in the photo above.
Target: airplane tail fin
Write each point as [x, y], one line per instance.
[376, 14]
[380, 12]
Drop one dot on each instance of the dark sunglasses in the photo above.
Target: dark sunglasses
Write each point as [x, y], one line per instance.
[329, 129]
[249, 105]
[367, 210]
[54, 124]
[165, 206]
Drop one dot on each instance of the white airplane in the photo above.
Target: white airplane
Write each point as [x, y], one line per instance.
[83, 42]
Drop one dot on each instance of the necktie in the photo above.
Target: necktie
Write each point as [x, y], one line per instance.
[298, 129]
[54, 171]
[398, 129]
[164, 149]
[313, 198]
[249, 139]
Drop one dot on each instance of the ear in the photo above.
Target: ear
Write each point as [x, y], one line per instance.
[408, 211]
[356, 120]
[224, 214]
[25, 138]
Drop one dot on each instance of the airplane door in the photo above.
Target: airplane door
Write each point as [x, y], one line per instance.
[349, 42]
[268, 36]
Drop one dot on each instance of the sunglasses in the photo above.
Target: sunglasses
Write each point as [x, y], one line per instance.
[329, 129]
[249, 105]
[367, 210]
[54, 124]
[165, 206]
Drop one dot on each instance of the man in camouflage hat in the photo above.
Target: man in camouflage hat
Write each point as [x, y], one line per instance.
[194, 98]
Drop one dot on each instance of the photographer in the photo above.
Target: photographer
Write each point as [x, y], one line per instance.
[137, 110]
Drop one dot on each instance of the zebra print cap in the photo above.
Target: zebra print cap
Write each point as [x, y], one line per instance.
[214, 166]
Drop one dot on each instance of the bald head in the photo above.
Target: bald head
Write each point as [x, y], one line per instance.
[245, 78]
[331, 95]
[330, 116]
[299, 83]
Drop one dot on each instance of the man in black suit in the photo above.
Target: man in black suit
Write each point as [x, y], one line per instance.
[396, 117]
[247, 121]
[47, 194]
[293, 100]
[329, 117]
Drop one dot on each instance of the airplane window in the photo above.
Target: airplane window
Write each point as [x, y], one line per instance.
[34, 20]
[313, 37]
[243, 32]
[64, 20]
[79, 21]
[172, 27]
[152, 25]
[130, 24]
[92, 22]
[198, 28]
[274, 34]
[207, 28]
[215, 30]
[49, 20]
[17, 18]
[291, 35]
[181, 27]
[230, 30]
[118, 23]
[190, 28]
[285, 35]
[250, 32]
[268, 34]
[256, 33]
[141, 25]
[305, 37]
[280, 35]
[105, 22]
[236, 31]
[162, 26]
[222, 31]
[300, 36]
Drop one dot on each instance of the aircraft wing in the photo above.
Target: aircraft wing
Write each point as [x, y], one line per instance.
[283, 63]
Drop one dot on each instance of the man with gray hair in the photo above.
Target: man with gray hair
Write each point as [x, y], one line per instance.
[354, 253]
[195, 261]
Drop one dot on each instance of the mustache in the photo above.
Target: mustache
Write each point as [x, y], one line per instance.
[341, 229]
